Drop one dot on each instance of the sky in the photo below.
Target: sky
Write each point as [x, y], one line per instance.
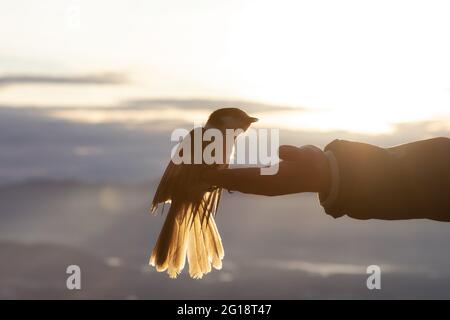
[91, 90]
[351, 65]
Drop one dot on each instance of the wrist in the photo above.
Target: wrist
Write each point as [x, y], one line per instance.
[324, 177]
[330, 190]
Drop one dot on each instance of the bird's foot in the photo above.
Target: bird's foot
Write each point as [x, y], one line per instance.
[212, 189]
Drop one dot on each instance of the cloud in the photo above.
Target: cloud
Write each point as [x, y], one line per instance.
[207, 104]
[162, 113]
[126, 145]
[322, 269]
[87, 79]
[326, 269]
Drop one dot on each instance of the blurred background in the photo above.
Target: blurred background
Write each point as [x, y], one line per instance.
[91, 90]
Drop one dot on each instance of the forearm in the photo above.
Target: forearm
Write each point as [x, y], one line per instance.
[406, 182]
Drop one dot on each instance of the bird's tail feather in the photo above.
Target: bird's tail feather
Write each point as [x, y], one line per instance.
[184, 234]
[205, 248]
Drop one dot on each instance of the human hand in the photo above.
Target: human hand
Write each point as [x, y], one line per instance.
[303, 169]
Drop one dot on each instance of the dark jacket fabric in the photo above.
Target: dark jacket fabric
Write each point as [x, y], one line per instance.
[409, 181]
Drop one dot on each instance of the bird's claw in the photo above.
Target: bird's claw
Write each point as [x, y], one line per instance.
[212, 189]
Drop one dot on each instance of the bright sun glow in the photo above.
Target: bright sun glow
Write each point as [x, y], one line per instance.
[353, 65]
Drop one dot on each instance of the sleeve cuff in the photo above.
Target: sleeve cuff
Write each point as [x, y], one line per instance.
[330, 199]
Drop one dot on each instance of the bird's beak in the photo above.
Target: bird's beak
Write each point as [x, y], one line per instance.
[252, 119]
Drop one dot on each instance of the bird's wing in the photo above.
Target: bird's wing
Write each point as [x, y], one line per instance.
[182, 182]
[166, 185]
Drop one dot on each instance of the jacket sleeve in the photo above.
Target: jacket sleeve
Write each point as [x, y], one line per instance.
[410, 181]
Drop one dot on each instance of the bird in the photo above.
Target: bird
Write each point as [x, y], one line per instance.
[190, 229]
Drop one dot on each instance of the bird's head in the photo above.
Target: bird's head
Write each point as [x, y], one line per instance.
[230, 118]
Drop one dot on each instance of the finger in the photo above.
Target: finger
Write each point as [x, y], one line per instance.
[241, 179]
[230, 178]
[293, 153]
[290, 153]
